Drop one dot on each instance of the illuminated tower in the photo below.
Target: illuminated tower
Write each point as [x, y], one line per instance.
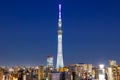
[60, 53]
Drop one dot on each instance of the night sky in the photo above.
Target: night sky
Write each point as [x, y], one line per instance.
[28, 31]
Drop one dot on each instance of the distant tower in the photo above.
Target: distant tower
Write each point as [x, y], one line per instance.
[60, 63]
[50, 61]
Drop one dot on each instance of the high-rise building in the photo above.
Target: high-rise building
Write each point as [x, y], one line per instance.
[110, 73]
[101, 72]
[50, 61]
[60, 63]
[112, 63]
[41, 73]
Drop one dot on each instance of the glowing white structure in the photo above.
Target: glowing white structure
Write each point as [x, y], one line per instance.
[110, 74]
[101, 72]
[60, 63]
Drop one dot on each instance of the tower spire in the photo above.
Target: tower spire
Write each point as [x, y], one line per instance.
[60, 18]
[59, 11]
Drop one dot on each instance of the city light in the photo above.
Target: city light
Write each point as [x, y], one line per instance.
[101, 72]
[101, 66]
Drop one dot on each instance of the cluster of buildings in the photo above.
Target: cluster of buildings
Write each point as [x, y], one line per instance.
[80, 71]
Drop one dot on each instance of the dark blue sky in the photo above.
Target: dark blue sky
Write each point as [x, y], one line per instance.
[28, 31]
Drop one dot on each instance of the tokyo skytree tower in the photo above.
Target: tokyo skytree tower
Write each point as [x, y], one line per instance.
[60, 63]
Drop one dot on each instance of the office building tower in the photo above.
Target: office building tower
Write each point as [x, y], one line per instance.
[50, 61]
[110, 73]
[41, 73]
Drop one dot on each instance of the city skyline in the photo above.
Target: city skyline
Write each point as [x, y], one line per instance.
[28, 31]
